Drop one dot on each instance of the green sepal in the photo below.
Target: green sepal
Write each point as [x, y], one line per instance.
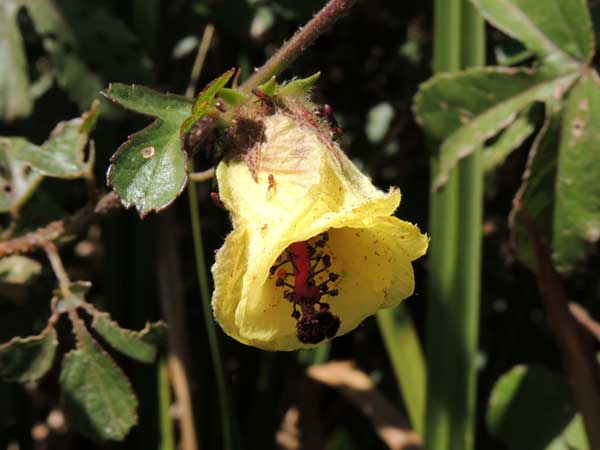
[299, 86]
[232, 96]
[269, 87]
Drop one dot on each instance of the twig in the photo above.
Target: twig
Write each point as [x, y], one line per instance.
[288, 52]
[391, 426]
[585, 320]
[172, 302]
[64, 284]
[52, 232]
[205, 175]
[200, 58]
[303, 39]
[576, 351]
[213, 343]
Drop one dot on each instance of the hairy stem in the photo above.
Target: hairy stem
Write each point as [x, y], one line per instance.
[64, 284]
[299, 42]
[54, 231]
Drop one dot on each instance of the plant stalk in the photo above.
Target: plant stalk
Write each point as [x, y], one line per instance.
[167, 438]
[211, 330]
[455, 257]
[405, 353]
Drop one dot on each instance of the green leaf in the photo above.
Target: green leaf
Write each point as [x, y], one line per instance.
[86, 45]
[577, 211]
[96, 394]
[574, 436]
[59, 41]
[529, 407]
[63, 154]
[15, 100]
[18, 180]
[140, 345]
[510, 139]
[406, 355]
[475, 105]
[28, 359]
[18, 269]
[536, 193]
[205, 99]
[558, 31]
[149, 170]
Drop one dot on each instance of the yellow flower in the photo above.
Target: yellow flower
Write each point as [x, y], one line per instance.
[315, 248]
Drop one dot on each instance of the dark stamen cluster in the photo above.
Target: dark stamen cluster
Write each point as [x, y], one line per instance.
[307, 261]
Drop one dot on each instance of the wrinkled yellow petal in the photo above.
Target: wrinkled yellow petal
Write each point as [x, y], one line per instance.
[301, 188]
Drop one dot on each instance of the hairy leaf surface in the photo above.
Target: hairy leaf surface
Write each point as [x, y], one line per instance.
[96, 393]
[27, 359]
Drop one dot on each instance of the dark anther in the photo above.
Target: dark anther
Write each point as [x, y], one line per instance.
[333, 292]
[333, 276]
[323, 305]
[321, 243]
[326, 260]
[274, 267]
[313, 328]
[317, 261]
[311, 250]
[323, 287]
[296, 314]
[279, 282]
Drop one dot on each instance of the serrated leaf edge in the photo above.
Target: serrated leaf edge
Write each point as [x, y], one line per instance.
[80, 347]
[127, 205]
[136, 334]
[42, 335]
[447, 167]
[106, 93]
[417, 101]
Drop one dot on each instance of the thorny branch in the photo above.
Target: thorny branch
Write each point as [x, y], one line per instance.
[108, 203]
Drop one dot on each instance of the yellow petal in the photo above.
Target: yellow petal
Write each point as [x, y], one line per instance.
[301, 188]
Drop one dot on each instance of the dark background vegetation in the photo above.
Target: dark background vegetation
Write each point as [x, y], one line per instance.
[377, 56]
